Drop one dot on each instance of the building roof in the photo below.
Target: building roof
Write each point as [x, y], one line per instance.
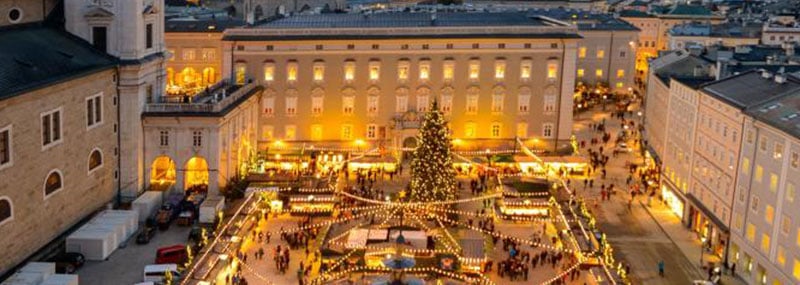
[692, 81]
[585, 20]
[689, 10]
[730, 30]
[782, 113]
[750, 88]
[406, 19]
[634, 14]
[192, 25]
[34, 56]
[682, 65]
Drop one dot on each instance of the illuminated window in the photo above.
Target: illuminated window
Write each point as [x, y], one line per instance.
[781, 256]
[290, 132]
[470, 130]
[795, 161]
[53, 183]
[208, 54]
[498, 101]
[424, 70]
[786, 224]
[402, 104]
[598, 73]
[402, 70]
[620, 73]
[525, 68]
[790, 192]
[751, 232]
[552, 70]
[422, 102]
[769, 214]
[291, 71]
[496, 127]
[499, 69]
[316, 105]
[269, 72]
[601, 53]
[316, 132]
[582, 52]
[291, 106]
[524, 101]
[765, 240]
[778, 153]
[188, 54]
[267, 132]
[319, 71]
[547, 130]
[349, 70]
[522, 130]
[372, 104]
[241, 73]
[472, 104]
[474, 69]
[759, 173]
[745, 165]
[348, 103]
[347, 132]
[372, 131]
[448, 70]
[374, 70]
[619, 85]
[580, 72]
[796, 269]
[773, 182]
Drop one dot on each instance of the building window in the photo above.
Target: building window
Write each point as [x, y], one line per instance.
[404, 46]
[426, 46]
[148, 41]
[197, 138]
[750, 136]
[619, 84]
[448, 70]
[51, 128]
[598, 73]
[786, 224]
[269, 72]
[470, 130]
[499, 69]
[601, 53]
[374, 70]
[523, 103]
[547, 130]
[95, 160]
[553, 45]
[316, 132]
[582, 52]
[449, 46]
[424, 70]
[6, 210]
[796, 270]
[348, 103]
[270, 47]
[620, 73]
[773, 182]
[447, 104]
[319, 47]
[403, 67]
[52, 183]
[351, 46]
[580, 72]
[291, 106]
[759, 173]
[94, 110]
[474, 69]
[549, 103]
[291, 71]
[765, 243]
[319, 71]
[208, 54]
[267, 132]
[188, 54]
[372, 104]
[422, 102]
[498, 102]
[778, 153]
[376, 46]
[5, 146]
[269, 106]
[762, 143]
[751, 232]
[372, 131]
[476, 46]
[402, 104]
[622, 54]
[495, 130]
[241, 73]
[769, 214]
[525, 68]
[290, 132]
[472, 104]
[790, 192]
[795, 161]
[754, 204]
[349, 70]
[552, 70]
[164, 138]
[100, 38]
[522, 130]
[316, 105]
[347, 132]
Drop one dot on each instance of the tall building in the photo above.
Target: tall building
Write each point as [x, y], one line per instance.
[346, 79]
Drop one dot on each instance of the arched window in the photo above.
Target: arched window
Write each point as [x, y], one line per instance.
[53, 183]
[95, 160]
[6, 210]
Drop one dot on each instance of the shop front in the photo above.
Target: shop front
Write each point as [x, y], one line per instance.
[712, 231]
[672, 199]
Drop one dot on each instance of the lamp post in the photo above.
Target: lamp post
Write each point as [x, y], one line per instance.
[702, 244]
[604, 102]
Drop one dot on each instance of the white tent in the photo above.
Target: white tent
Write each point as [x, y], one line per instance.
[357, 238]
[147, 203]
[417, 239]
[94, 244]
[61, 279]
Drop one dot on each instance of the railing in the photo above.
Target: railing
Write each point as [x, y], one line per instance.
[212, 101]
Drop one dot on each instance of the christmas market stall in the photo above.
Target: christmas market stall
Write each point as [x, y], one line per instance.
[473, 255]
[385, 163]
[311, 204]
[525, 198]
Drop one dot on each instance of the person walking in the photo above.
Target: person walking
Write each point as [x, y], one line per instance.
[661, 268]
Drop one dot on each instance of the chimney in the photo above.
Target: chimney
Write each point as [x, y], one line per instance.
[780, 78]
[765, 74]
[788, 48]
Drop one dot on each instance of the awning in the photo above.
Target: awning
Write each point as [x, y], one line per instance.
[710, 215]
[654, 154]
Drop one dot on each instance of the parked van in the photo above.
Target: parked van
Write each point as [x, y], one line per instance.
[171, 254]
[156, 272]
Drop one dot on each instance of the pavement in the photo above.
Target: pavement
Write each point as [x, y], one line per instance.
[642, 235]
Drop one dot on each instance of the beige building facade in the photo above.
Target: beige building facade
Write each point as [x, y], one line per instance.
[341, 86]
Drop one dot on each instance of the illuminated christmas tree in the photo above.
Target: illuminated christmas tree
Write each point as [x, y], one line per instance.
[432, 173]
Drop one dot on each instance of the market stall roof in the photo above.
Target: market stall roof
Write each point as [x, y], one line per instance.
[374, 159]
[565, 159]
[472, 244]
[503, 158]
[378, 234]
[357, 237]
[418, 239]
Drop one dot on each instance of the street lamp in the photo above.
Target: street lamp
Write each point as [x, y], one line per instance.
[604, 102]
[702, 244]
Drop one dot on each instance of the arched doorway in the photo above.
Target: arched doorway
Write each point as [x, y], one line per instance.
[162, 173]
[196, 174]
[189, 78]
[209, 76]
[409, 144]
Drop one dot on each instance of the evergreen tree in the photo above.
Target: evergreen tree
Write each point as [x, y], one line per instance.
[432, 173]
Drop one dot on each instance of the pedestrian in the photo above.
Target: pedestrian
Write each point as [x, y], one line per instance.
[661, 268]
[733, 269]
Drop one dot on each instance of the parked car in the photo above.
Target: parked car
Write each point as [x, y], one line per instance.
[145, 235]
[172, 254]
[68, 262]
[156, 273]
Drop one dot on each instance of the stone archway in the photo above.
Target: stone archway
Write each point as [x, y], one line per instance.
[196, 174]
[162, 172]
[409, 143]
